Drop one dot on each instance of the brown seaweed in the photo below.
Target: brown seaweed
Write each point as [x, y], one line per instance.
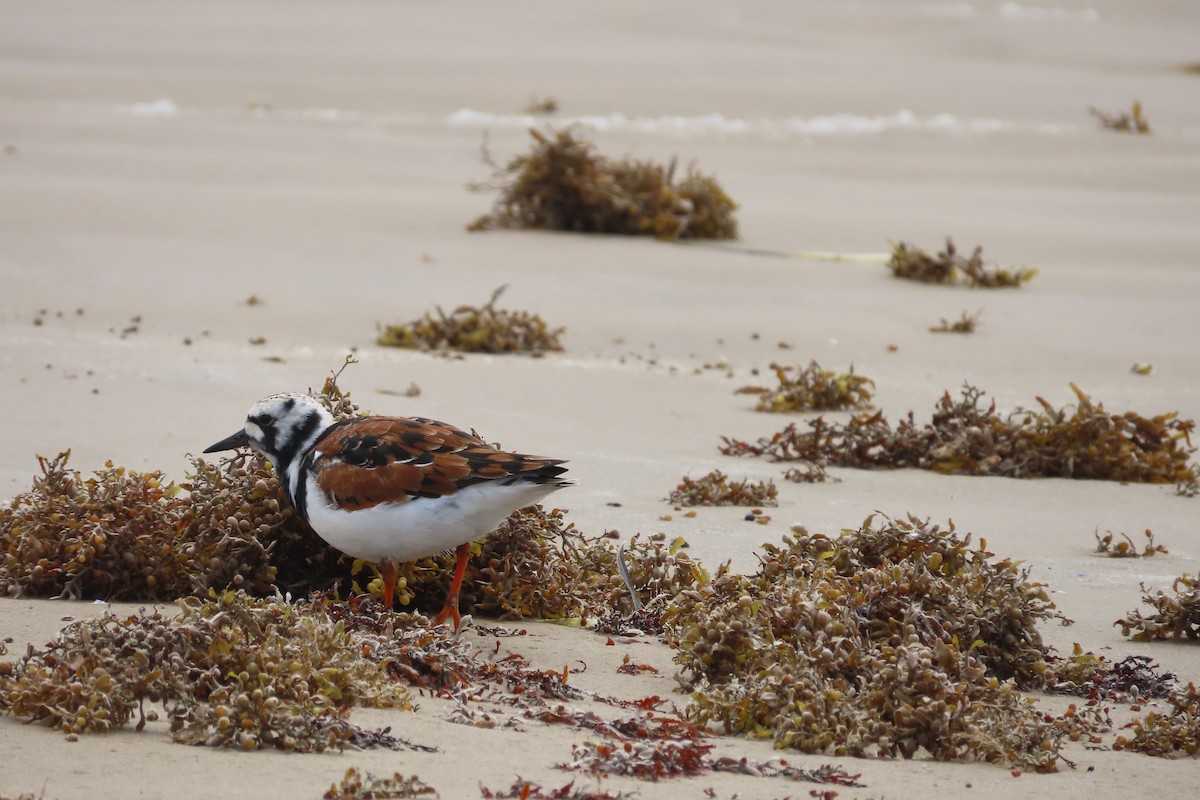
[564, 185]
[717, 489]
[1176, 615]
[885, 641]
[471, 329]
[912, 263]
[356, 786]
[1125, 547]
[527, 790]
[1133, 679]
[966, 438]
[812, 388]
[964, 324]
[233, 672]
[543, 106]
[1167, 735]
[1132, 122]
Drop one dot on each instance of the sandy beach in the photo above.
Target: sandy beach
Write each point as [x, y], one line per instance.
[163, 162]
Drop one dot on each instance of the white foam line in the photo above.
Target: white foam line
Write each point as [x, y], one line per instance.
[828, 125]
[1018, 11]
[1009, 10]
[668, 125]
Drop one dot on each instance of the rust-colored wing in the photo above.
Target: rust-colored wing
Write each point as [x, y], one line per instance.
[361, 463]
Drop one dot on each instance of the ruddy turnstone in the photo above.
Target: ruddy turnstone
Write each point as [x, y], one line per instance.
[393, 489]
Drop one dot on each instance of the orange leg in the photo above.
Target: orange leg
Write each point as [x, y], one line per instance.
[388, 571]
[451, 608]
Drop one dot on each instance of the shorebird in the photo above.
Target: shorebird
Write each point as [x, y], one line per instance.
[393, 489]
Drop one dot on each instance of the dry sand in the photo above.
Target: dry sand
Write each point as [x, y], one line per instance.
[165, 161]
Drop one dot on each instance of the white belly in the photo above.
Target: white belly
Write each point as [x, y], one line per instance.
[421, 527]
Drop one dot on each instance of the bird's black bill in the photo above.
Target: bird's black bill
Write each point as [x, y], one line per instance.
[239, 439]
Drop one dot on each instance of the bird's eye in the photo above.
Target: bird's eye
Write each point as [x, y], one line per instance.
[264, 419]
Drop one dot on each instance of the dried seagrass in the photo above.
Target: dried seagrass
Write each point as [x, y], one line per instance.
[124, 534]
[355, 786]
[1124, 547]
[964, 324]
[1133, 122]
[912, 263]
[526, 569]
[471, 329]
[1133, 679]
[233, 672]
[527, 790]
[812, 388]
[810, 472]
[716, 489]
[1168, 735]
[885, 641]
[106, 536]
[965, 438]
[564, 185]
[1176, 615]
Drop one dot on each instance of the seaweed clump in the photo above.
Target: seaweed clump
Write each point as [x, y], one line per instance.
[564, 185]
[99, 537]
[1133, 679]
[1124, 547]
[1176, 615]
[537, 565]
[964, 324]
[948, 266]
[716, 489]
[355, 786]
[124, 535]
[966, 438]
[472, 329]
[812, 388]
[230, 672]
[1133, 122]
[888, 640]
[1168, 735]
[128, 535]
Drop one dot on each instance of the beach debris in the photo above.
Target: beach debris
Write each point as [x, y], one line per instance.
[475, 329]
[810, 472]
[1167, 735]
[527, 790]
[964, 324]
[1176, 615]
[912, 263]
[233, 671]
[812, 388]
[652, 747]
[963, 437]
[649, 761]
[717, 489]
[1142, 368]
[543, 106]
[891, 639]
[1116, 548]
[413, 390]
[1133, 679]
[564, 185]
[1132, 122]
[356, 786]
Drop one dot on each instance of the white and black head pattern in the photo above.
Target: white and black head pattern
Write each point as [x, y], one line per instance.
[281, 427]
